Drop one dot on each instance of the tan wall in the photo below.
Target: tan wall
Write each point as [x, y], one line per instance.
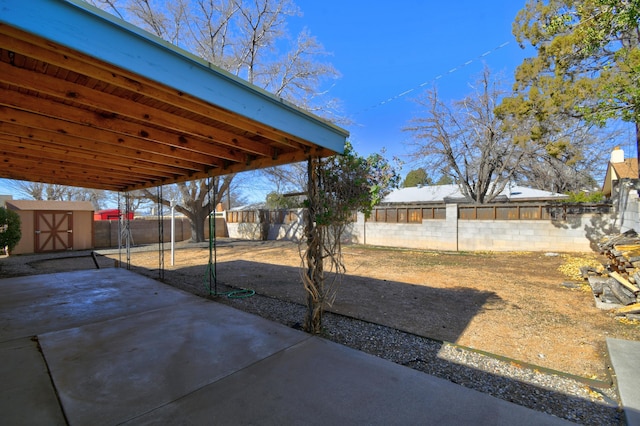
[27, 242]
[82, 230]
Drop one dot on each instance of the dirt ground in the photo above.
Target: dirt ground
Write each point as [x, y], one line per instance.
[516, 305]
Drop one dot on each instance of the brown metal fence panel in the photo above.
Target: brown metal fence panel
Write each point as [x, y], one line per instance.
[531, 212]
[392, 215]
[414, 216]
[486, 213]
[241, 216]
[401, 215]
[507, 213]
[440, 213]
[466, 213]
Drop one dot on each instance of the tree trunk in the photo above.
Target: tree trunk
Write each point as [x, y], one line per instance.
[637, 123]
[313, 278]
[198, 220]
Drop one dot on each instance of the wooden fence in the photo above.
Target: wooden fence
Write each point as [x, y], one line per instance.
[263, 216]
[543, 211]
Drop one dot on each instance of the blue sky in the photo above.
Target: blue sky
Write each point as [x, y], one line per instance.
[385, 49]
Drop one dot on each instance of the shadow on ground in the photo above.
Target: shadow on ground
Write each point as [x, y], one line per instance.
[441, 314]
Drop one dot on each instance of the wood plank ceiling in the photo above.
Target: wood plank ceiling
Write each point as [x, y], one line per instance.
[71, 119]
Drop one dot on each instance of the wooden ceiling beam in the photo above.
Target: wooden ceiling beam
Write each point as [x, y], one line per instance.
[19, 41]
[67, 143]
[37, 170]
[207, 152]
[102, 185]
[127, 107]
[80, 136]
[49, 165]
[141, 114]
[259, 163]
[20, 146]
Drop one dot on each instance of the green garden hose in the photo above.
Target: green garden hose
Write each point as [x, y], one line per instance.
[210, 279]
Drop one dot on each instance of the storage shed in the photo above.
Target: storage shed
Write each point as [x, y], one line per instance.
[49, 226]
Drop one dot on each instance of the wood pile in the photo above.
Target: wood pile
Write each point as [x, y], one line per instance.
[618, 286]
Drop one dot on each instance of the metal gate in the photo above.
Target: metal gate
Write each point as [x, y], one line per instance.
[54, 231]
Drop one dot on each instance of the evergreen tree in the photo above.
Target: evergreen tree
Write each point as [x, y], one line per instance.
[587, 67]
[10, 232]
[416, 177]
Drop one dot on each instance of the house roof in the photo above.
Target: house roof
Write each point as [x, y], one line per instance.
[50, 205]
[627, 169]
[452, 193]
[89, 100]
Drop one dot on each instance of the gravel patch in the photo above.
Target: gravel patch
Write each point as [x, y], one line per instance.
[561, 396]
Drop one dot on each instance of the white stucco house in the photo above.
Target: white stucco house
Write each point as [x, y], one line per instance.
[453, 194]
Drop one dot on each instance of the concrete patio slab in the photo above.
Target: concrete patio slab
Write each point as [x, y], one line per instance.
[27, 396]
[40, 303]
[121, 348]
[115, 370]
[625, 360]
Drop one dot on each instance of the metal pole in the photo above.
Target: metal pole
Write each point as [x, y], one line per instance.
[127, 225]
[160, 234]
[173, 232]
[119, 232]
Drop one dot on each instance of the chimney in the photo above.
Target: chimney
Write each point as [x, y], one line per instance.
[617, 155]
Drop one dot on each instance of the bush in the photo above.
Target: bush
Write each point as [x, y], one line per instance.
[583, 197]
[10, 232]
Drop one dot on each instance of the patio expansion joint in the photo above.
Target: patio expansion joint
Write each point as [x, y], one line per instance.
[224, 377]
[36, 340]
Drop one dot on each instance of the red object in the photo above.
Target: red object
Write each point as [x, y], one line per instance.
[110, 214]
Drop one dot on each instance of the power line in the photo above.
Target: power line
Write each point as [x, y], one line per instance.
[436, 78]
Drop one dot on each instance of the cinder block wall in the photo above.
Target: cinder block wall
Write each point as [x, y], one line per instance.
[630, 212]
[291, 231]
[143, 231]
[245, 231]
[577, 234]
[524, 235]
[492, 235]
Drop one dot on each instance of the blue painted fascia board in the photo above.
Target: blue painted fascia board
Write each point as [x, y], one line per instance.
[91, 31]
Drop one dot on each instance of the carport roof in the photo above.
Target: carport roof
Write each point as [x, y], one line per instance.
[88, 100]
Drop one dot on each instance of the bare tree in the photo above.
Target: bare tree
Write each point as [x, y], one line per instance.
[287, 178]
[195, 199]
[45, 191]
[244, 37]
[571, 162]
[465, 140]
